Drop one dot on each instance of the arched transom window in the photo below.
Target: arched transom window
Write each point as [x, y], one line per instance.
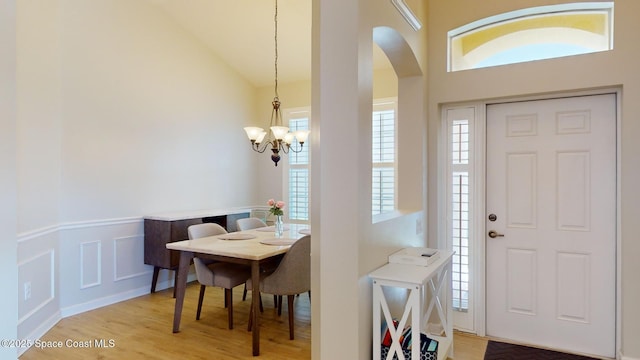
[532, 34]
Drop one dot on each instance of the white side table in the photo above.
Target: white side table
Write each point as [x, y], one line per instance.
[424, 283]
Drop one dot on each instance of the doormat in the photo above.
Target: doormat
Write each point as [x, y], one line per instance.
[504, 351]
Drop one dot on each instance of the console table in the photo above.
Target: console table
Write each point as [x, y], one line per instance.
[161, 229]
[428, 290]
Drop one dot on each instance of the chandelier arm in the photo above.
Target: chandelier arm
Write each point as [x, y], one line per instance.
[293, 148]
[260, 148]
[284, 147]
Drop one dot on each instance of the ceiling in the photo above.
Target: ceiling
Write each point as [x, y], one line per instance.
[241, 33]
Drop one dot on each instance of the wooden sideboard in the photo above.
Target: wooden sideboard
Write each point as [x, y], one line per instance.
[161, 229]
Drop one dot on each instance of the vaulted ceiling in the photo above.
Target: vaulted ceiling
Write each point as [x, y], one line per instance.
[241, 33]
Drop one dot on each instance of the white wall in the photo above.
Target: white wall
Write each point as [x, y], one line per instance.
[121, 113]
[8, 218]
[347, 246]
[616, 68]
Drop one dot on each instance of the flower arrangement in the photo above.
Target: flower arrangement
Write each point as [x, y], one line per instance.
[276, 207]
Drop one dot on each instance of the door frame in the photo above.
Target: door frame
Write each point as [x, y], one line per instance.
[479, 208]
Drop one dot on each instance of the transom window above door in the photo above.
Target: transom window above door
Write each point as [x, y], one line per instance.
[538, 33]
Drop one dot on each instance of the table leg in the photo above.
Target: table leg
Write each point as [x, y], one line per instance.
[176, 281]
[181, 286]
[154, 280]
[255, 302]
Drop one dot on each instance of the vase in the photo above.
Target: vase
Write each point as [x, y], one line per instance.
[279, 226]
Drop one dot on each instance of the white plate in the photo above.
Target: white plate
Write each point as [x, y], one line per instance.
[234, 236]
[278, 242]
[305, 231]
[271, 228]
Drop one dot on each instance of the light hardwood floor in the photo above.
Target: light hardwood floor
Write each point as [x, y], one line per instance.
[140, 328]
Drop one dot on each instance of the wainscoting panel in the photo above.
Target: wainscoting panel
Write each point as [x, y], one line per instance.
[97, 255]
[128, 258]
[90, 264]
[34, 290]
[77, 267]
[38, 264]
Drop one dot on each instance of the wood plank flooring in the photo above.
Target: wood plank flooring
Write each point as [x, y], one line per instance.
[468, 347]
[140, 328]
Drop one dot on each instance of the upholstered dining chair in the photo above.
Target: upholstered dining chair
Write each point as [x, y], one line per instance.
[250, 223]
[292, 277]
[211, 273]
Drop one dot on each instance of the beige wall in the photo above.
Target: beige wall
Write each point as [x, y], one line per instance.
[8, 221]
[39, 114]
[385, 84]
[151, 118]
[612, 69]
[148, 116]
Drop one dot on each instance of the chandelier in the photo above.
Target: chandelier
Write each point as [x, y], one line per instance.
[279, 138]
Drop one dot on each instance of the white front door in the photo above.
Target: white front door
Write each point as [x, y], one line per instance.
[551, 187]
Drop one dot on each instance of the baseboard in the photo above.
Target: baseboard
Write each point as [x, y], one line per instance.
[48, 324]
[622, 357]
[41, 330]
[104, 301]
[116, 298]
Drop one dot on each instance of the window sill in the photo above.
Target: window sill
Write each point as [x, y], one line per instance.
[379, 218]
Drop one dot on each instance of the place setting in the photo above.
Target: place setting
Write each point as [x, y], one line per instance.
[278, 241]
[271, 228]
[236, 236]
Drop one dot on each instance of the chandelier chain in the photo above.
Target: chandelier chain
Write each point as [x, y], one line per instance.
[275, 20]
[279, 139]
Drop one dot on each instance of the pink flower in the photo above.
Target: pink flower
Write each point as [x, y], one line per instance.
[276, 207]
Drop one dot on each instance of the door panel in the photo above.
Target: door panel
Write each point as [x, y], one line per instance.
[551, 181]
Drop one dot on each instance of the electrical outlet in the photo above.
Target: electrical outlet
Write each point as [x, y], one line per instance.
[27, 290]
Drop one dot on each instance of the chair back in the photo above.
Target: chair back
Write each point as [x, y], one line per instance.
[204, 230]
[250, 223]
[203, 273]
[293, 275]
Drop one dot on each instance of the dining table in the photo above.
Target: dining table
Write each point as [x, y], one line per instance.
[250, 247]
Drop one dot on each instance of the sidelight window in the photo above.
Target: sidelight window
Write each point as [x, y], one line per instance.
[459, 123]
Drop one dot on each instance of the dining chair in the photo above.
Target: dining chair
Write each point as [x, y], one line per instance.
[250, 223]
[220, 274]
[291, 277]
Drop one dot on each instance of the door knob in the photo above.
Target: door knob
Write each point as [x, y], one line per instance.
[494, 234]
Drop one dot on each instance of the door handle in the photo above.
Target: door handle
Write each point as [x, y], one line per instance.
[494, 234]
